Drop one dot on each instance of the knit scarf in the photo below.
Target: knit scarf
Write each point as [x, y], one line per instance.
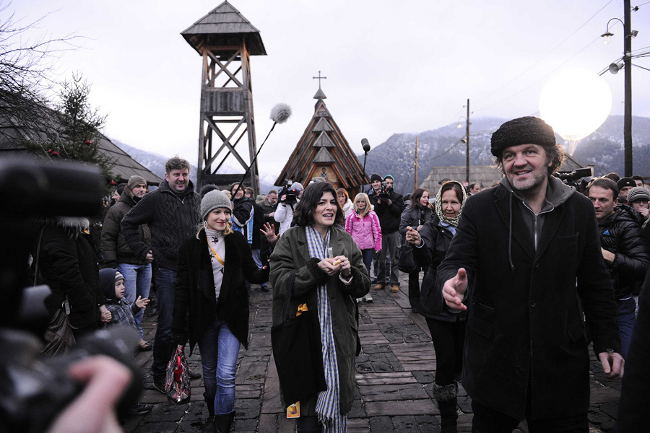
[328, 408]
[438, 206]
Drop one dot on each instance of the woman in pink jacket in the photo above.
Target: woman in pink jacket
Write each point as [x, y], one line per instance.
[363, 226]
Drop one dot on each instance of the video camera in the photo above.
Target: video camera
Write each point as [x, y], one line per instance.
[385, 191]
[291, 193]
[578, 178]
[34, 390]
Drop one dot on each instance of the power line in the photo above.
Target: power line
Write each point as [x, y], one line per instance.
[640, 67]
[549, 53]
[538, 80]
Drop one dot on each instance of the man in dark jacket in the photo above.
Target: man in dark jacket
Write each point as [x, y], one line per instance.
[525, 263]
[172, 214]
[624, 250]
[242, 212]
[389, 206]
[117, 254]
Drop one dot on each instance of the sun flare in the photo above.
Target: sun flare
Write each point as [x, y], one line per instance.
[575, 103]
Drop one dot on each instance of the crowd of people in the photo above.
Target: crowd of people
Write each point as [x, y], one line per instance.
[517, 279]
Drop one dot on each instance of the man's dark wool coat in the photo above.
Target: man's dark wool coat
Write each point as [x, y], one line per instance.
[526, 341]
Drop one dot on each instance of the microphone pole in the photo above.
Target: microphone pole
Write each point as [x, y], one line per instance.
[366, 149]
[279, 114]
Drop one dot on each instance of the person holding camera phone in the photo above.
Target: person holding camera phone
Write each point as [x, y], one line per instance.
[388, 207]
[289, 197]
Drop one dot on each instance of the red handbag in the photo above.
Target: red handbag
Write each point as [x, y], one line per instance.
[177, 379]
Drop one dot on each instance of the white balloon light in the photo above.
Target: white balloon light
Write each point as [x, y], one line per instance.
[575, 103]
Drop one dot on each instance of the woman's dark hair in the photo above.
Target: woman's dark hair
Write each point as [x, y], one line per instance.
[417, 195]
[303, 215]
[456, 187]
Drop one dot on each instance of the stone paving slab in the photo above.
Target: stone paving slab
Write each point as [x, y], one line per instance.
[395, 374]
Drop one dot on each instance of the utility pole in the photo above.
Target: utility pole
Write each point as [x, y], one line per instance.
[467, 138]
[627, 59]
[416, 163]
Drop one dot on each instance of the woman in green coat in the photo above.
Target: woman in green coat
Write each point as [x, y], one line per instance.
[330, 276]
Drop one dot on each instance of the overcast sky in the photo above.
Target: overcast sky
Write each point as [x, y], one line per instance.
[391, 66]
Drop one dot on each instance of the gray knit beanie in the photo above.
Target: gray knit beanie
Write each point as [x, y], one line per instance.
[524, 130]
[213, 200]
[637, 193]
[134, 181]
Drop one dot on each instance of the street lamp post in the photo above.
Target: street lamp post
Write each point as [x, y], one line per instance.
[627, 64]
[627, 59]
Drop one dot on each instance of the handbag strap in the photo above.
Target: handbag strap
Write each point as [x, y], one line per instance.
[292, 279]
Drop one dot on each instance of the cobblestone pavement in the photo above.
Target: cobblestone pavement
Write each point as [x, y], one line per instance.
[395, 373]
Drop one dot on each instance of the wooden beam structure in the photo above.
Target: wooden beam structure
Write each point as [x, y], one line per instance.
[226, 39]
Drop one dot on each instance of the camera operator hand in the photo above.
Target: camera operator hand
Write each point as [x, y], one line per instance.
[283, 199]
[94, 410]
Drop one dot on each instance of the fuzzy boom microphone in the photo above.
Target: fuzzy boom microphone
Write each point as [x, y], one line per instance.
[280, 113]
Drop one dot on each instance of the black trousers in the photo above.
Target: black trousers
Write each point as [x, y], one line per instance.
[308, 424]
[487, 420]
[448, 341]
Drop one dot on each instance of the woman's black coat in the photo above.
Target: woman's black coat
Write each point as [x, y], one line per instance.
[195, 292]
[68, 263]
[436, 238]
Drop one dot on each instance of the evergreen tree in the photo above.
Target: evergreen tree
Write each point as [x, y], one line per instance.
[73, 130]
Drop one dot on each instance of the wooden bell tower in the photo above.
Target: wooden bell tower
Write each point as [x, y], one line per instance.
[226, 40]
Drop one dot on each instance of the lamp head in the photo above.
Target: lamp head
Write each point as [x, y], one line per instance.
[607, 35]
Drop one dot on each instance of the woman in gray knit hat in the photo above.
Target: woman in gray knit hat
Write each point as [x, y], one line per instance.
[212, 302]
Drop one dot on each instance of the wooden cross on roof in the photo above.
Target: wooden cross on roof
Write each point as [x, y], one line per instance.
[319, 78]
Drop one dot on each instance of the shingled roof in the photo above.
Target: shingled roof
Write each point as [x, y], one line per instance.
[13, 131]
[323, 145]
[224, 26]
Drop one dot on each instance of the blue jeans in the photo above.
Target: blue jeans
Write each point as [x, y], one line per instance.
[163, 345]
[625, 319]
[219, 349]
[137, 282]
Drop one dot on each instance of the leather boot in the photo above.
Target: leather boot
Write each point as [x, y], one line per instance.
[224, 422]
[446, 396]
[210, 423]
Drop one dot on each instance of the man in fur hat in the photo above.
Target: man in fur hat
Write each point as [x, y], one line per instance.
[525, 263]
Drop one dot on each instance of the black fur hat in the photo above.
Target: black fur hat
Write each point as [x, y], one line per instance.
[524, 130]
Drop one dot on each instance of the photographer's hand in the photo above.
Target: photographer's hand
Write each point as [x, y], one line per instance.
[94, 410]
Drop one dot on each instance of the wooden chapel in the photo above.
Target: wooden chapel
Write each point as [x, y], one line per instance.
[323, 152]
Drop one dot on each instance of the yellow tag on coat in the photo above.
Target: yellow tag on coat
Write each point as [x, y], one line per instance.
[301, 309]
[293, 411]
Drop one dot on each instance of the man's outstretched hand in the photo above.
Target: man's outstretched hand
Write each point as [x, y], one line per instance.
[613, 364]
[454, 291]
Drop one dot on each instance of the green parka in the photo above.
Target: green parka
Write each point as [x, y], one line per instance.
[292, 252]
